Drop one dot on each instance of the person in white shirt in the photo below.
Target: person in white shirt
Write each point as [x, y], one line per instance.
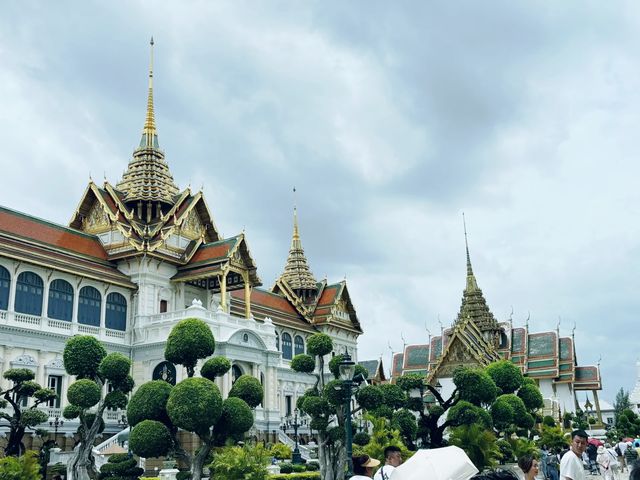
[392, 459]
[571, 464]
[363, 466]
[622, 447]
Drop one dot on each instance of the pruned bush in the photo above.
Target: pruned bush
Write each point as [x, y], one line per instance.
[149, 402]
[249, 389]
[215, 367]
[236, 417]
[281, 451]
[150, 438]
[369, 397]
[18, 375]
[115, 367]
[303, 363]
[190, 340]
[319, 344]
[116, 399]
[71, 411]
[84, 393]
[82, 356]
[195, 404]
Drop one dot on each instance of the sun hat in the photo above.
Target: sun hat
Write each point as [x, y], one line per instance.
[371, 462]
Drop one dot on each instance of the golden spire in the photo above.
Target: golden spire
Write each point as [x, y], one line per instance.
[296, 272]
[147, 177]
[149, 133]
[471, 279]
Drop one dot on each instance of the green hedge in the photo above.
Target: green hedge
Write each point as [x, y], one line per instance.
[296, 476]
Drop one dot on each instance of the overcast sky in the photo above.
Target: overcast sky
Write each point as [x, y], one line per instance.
[390, 118]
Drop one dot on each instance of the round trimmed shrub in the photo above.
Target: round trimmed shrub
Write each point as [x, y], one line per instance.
[18, 375]
[190, 340]
[215, 367]
[410, 381]
[316, 406]
[303, 363]
[116, 399]
[150, 439]
[82, 356]
[84, 392]
[236, 417]
[475, 386]
[115, 367]
[361, 438]
[32, 417]
[71, 411]
[506, 375]
[335, 392]
[393, 395]
[125, 385]
[286, 468]
[319, 423]
[334, 365]
[319, 344]
[405, 421]
[531, 396]
[369, 397]
[249, 389]
[194, 404]
[29, 387]
[149, 403]
[360, 373]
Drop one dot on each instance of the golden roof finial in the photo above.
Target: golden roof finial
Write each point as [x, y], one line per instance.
[296, 233]
[149, 133]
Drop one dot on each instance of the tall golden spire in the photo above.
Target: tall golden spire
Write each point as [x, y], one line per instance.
[474, 304]
[296, 272]
[149, 133]
[147, 177]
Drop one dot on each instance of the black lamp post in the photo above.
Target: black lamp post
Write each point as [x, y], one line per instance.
[347, 369]
[56, 423]
[125, 423]
[288, 424]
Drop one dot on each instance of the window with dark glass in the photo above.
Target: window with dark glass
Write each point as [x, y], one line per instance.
[29, 290]
[277, 341]
[54, 382]
[298, 345]
[163, 306]
[116, 313]
[89, 306]
[236, 371]
[60, 300]
[286, 346]
[5, 284]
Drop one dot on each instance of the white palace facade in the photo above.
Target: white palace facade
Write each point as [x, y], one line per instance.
[136, 258]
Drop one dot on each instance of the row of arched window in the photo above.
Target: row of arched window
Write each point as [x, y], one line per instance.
[30, 295]
[290, 349]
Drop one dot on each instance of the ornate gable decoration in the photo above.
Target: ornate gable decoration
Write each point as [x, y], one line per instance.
[24, 361]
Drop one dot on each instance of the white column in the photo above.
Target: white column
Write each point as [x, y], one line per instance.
[45, 299]
[103, 310]
[12, 292]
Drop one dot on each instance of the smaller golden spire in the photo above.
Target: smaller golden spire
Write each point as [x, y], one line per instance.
[149, 133]
[471, 280]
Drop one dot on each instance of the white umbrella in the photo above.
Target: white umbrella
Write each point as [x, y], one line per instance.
[447, 463]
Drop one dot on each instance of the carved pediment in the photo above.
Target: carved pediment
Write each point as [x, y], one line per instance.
[97, 221]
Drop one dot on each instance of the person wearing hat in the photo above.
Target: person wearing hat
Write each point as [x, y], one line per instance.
[363, 466]
[604, 462]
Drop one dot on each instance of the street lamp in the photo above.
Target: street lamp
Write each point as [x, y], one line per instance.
[287, 424]
[347, 369]
[56, 423]
[125, 423]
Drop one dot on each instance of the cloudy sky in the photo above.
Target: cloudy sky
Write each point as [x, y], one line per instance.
[391, 119]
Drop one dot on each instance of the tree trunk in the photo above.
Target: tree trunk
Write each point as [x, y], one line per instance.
[82, 466]
[14, 447]
[199, 459]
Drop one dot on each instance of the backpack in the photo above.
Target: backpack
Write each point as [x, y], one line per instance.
[618, 452]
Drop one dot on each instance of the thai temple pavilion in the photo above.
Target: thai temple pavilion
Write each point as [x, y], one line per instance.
[141, 255]
[476, 338]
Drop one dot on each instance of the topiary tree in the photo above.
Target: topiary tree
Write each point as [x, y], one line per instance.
[506, 375]
[249, 389]
[157, 410]
[120, 466]
[324, 403]
[86, 358]
[21, 419]
[189, 341]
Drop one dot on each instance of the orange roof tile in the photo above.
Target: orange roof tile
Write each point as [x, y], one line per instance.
[211, 251]
[267, 299]
[328, 296]
[51, 234]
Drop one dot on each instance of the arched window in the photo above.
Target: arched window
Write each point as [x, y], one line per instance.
[29, 294]
[165, 371]
[277, 341]
[60, 300]
[236, 371]
[298, 345]
[89, 306]
[5, 284]
[116, 315]
[286, 346]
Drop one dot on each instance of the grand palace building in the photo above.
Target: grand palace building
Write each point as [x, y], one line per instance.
[137, 257]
